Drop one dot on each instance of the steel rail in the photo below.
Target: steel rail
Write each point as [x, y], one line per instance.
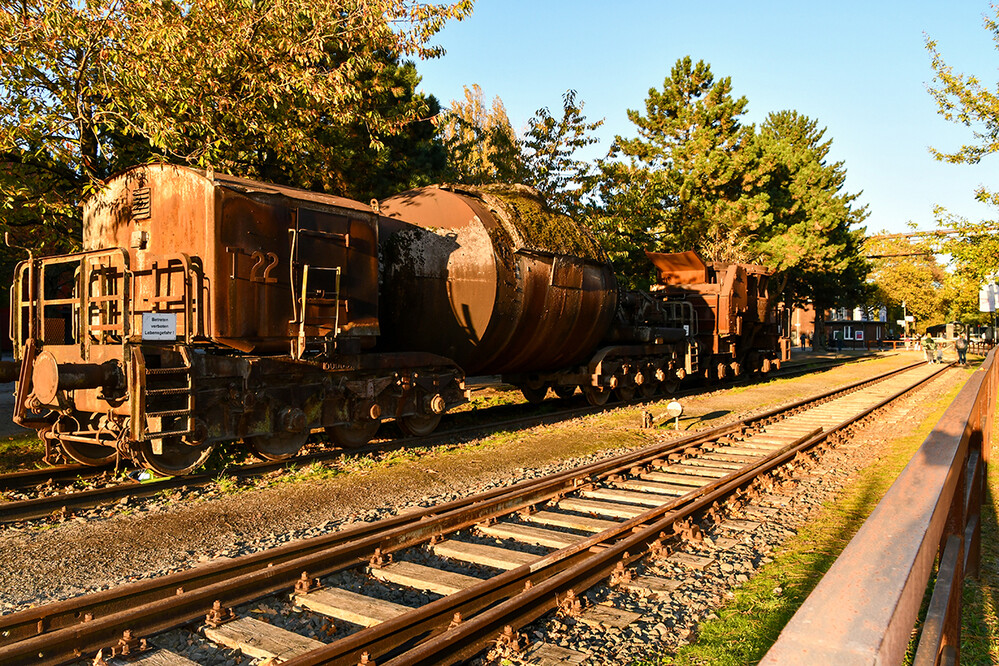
[60, 615]
[56, 633]
[549, 576]
[27, 478]
[63, 503]
[505, 600]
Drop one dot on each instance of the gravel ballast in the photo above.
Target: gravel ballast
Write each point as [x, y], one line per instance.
[47, 562]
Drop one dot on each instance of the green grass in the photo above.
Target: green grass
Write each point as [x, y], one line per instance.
[227, 485]
[20, 452]
[980, 621]
[750, 623]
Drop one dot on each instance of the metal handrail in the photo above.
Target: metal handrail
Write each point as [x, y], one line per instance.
[864, 608]
[128, 309]
[34, 302]
[176, 263]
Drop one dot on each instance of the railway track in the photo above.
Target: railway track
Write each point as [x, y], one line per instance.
[66, 499]
[523, 551]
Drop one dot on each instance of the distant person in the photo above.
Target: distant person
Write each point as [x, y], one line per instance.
[961, 345]
[929, 347]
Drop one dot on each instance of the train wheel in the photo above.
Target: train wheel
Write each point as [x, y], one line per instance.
[564, 392]
[177, 457]
[89, 454]
[670, 386]
[648, 389]
[534, 395]
[625, 393]
[86, 453]
[596, 395]
[353, 435]
[279, 446]
[419, 425]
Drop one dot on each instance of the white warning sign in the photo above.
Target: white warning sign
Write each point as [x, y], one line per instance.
[159, 326]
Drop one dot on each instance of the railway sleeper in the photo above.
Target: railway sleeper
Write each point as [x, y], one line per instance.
[612, 555]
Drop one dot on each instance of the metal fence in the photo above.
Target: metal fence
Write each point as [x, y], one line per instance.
[863, 611]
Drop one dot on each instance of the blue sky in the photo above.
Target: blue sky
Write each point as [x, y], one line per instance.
[859, 68]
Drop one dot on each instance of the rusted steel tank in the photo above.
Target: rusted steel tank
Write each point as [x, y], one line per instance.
[492, 278]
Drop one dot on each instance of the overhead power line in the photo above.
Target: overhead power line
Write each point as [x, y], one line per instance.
[933, 232]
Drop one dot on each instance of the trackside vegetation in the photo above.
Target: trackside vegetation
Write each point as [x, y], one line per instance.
[746, 627]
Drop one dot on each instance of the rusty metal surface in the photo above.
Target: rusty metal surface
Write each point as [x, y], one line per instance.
[497, 305]
[731, 301]
[863, 610]
[179, 261]
[251, 241]
[679, 268]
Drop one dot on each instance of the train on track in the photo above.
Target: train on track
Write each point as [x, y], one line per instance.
[206, 308]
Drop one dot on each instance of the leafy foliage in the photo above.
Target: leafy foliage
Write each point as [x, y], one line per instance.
[483, 148]
[481, 144]
[813, 237]
[262, 89]
[974, 248]
[691, 178]
[549, 148]
[410, 156]
[906, 271]
[696, 177]
[964, 99]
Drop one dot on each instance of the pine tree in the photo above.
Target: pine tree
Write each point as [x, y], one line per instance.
[251, 88]
[692, 178]
[813, 236]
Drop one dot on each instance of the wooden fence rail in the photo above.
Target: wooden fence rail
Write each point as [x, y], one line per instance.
[864, 609]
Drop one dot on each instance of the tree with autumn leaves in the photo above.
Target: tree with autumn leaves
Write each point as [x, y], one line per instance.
[290, 91]
[966, 100]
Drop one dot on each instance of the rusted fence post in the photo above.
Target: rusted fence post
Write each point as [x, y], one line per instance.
[864, 609]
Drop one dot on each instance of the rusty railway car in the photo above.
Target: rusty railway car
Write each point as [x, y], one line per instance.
[706, 319]
[207, 309]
